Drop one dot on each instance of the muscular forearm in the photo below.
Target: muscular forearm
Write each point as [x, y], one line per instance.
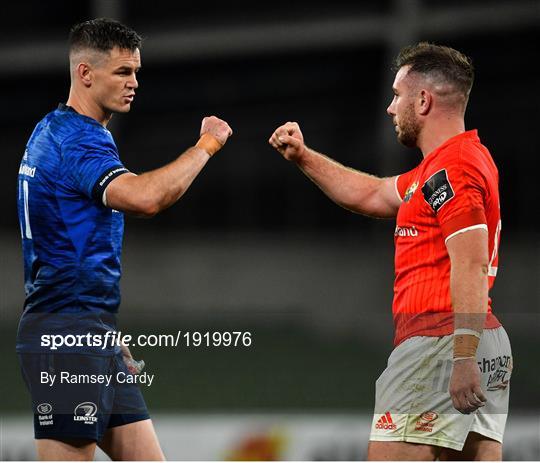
[469, 293]
[164, 186]
[349, 188]
[469, 289]
[151, 192]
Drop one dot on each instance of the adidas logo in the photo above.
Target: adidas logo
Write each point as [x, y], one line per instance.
[385, 422]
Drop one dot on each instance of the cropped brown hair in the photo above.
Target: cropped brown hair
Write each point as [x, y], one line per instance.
[440, 63]
[103, 34]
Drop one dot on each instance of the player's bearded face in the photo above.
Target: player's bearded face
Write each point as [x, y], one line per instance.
[115, 81]
[402, 109]
[408, 126]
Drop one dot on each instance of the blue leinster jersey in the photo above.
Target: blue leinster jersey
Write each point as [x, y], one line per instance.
[71, 241]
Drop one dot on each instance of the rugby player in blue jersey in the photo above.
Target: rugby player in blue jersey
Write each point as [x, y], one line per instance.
[73, 190]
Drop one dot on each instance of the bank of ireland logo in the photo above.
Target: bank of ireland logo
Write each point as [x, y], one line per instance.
[45, 417]
[410, 191]
[44, 409]
[85, 412]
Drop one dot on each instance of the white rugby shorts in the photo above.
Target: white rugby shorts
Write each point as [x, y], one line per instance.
[412, 401]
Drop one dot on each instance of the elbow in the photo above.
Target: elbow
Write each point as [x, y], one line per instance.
[369, 206]
[147, 204]
[349, 199]
[472, 266]
[150, 206]
[345, 203]
[147, 208]
[351, 205]
[149, 211]
[147, 214]
[479, 264]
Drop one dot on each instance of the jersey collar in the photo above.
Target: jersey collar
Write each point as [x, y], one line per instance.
[471, 135]
[69, 109]
[65, 107]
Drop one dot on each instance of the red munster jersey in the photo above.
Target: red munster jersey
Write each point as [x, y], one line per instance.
[453, 190]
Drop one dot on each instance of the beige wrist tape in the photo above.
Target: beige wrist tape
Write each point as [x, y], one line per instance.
[465, 343]
[209, 143]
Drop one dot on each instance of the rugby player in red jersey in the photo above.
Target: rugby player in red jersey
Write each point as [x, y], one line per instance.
[444, 394]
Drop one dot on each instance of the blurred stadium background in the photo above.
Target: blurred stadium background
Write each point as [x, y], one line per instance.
[254, 245]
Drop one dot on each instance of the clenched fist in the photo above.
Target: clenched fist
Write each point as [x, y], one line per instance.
[289, 141]
[464, 388]
[217, 128]
[214, 134]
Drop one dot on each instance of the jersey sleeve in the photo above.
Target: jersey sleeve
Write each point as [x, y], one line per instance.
[456, 193]
[403, 181]
[91, 163]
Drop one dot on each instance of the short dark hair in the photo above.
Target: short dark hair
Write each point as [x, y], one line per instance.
[103, 34]
[443, 63]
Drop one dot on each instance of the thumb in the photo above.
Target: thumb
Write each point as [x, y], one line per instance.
[291, 141]
[480, 394]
